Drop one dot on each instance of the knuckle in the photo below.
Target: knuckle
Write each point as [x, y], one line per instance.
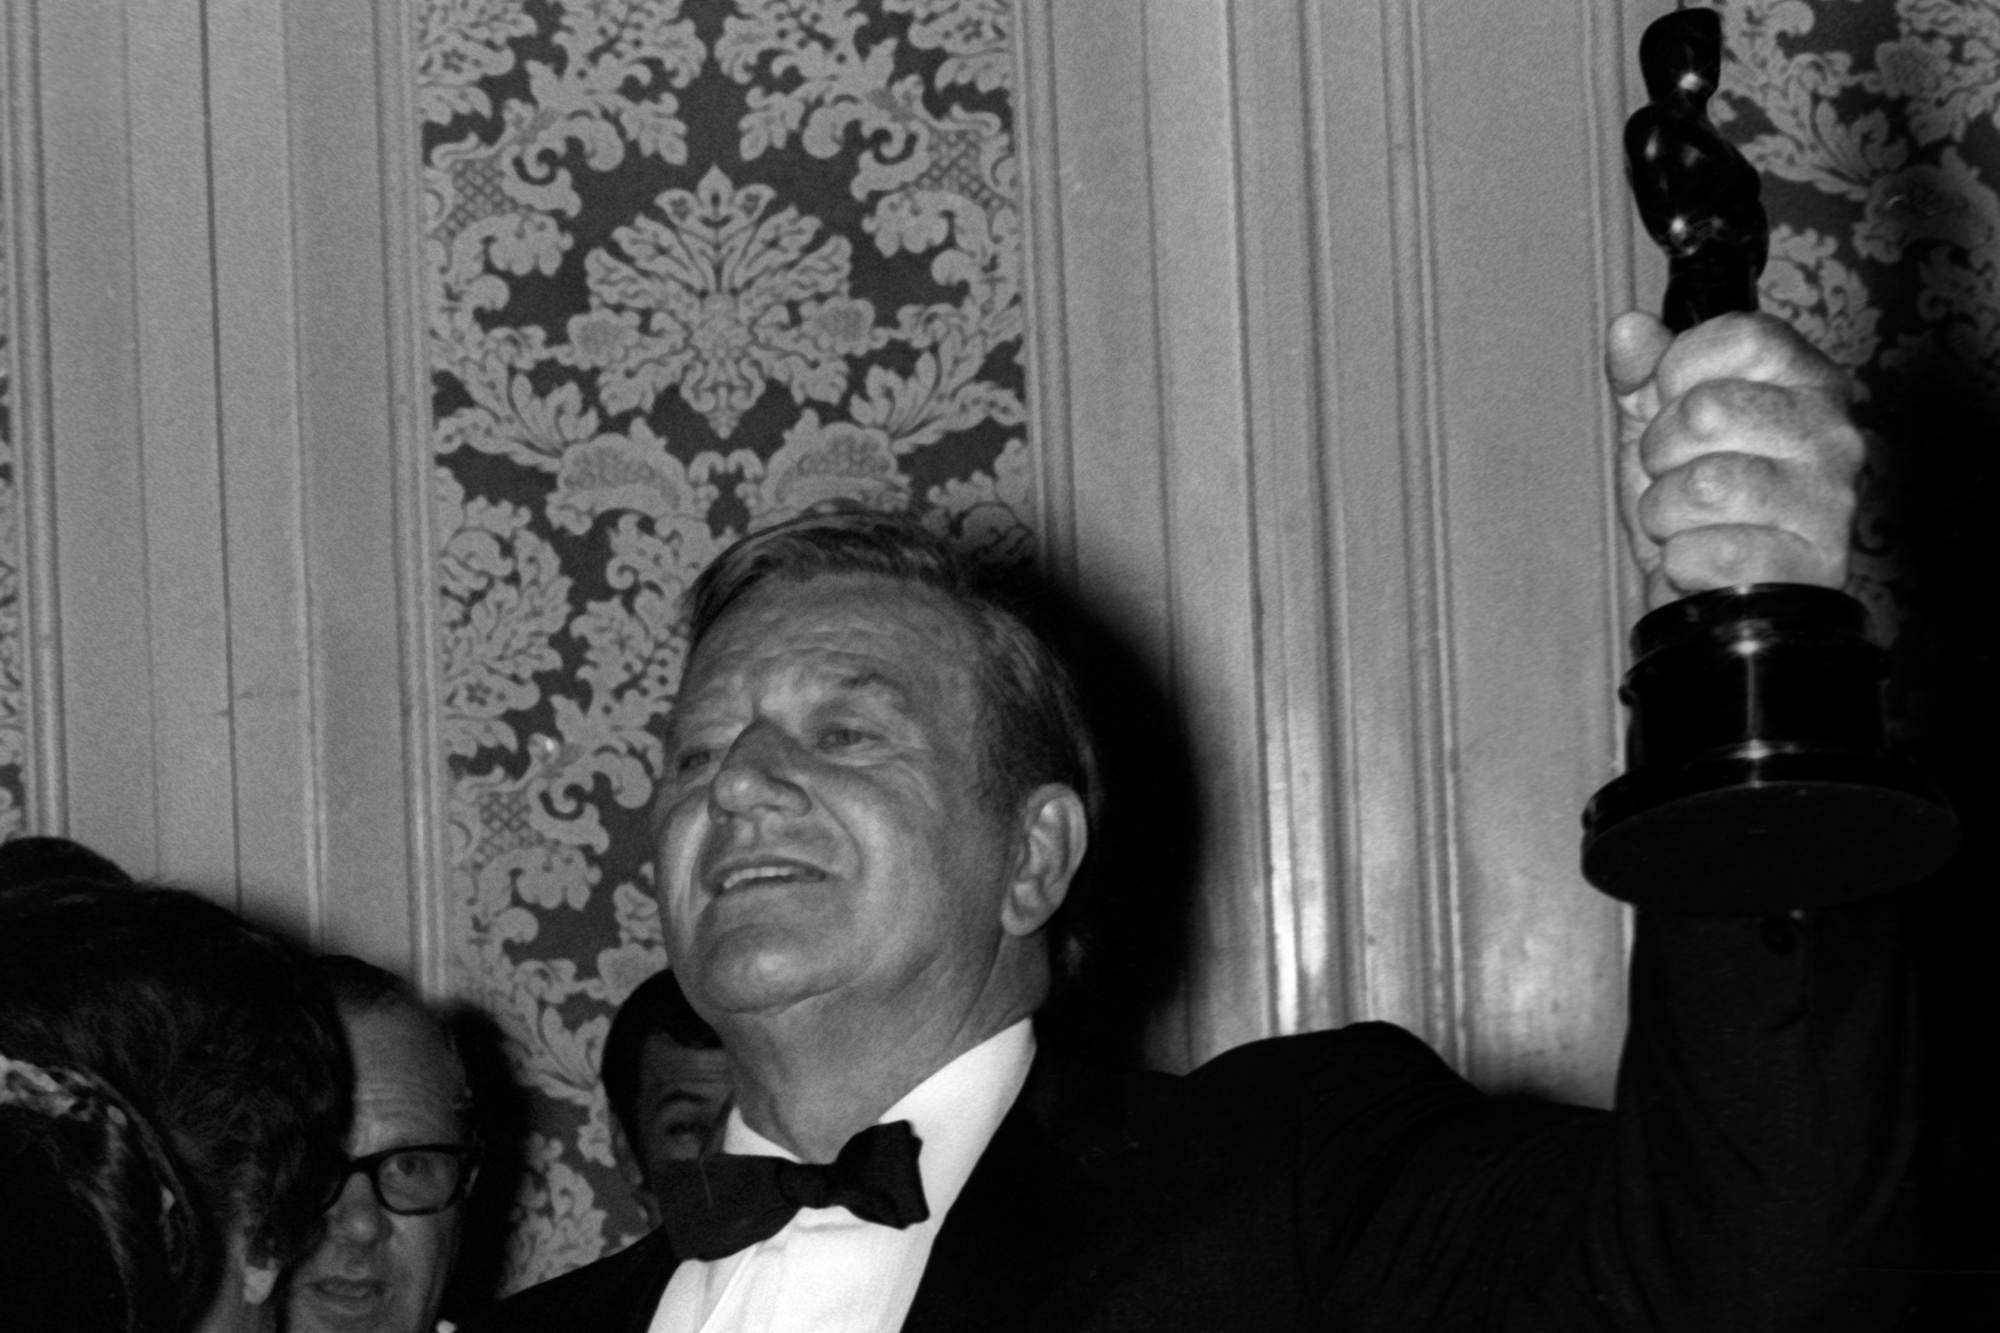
[1711, 557]
[1783, 352]
[1736, 410]
[1723, 480]
[1730, 554]
[1708, 408]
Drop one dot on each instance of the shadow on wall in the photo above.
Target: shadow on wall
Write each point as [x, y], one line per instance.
[501, 1111]
[1133, 897]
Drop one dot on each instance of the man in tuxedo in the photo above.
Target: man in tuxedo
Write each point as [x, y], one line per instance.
[877, 794]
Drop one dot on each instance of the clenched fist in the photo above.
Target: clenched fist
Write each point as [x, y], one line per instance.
[1736, 460]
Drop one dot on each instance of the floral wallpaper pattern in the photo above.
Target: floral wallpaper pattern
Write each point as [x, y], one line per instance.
[692, 269]
[1876, 126]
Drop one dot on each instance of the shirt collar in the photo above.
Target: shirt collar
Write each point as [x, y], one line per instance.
[955, 1113]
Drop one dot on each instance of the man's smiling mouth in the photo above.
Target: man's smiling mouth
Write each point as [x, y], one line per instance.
[762, 873]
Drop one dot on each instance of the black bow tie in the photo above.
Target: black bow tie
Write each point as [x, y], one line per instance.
[722, 1203]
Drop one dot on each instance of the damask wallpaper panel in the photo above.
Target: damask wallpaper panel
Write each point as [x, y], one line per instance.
[1875, 128]
[693, 268]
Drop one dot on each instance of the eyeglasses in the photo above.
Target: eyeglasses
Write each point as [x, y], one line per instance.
[422, 1178]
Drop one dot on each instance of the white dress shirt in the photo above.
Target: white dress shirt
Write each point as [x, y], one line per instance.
[828, 1271]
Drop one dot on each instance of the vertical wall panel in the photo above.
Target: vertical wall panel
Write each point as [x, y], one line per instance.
[256, 344]
[365, 478]
[1295, 692]
[186, 590]
[1097, 284]
[106, 788]
[1515, 150]
[225, 473]
[1426, 909]
[1093, 331]
[1388, 578]
[30, 768]
[1197, 212]
[1358, 139]
[19, 783]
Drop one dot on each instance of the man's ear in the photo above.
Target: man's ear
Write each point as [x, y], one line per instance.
[1051, 836]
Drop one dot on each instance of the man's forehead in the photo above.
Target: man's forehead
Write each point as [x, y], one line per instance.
[403, 1068]
[668, 1064]
[861, 633]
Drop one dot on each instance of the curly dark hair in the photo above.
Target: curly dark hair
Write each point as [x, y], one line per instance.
[94, 1220]
[1034, 728]
[216, 1035]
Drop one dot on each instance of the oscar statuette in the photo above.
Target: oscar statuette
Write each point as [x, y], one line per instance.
[1757, 777]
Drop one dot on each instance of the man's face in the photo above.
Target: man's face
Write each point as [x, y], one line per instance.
[683, 1095]
[821, 835]
[374, 1269]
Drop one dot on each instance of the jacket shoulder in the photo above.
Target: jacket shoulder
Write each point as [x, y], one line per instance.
[616, 1292]
[1359, 1065]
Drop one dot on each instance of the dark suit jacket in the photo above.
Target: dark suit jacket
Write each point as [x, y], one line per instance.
[1349, 1180]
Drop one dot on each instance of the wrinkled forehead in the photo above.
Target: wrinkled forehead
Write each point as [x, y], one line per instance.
[862, 632]
[404, 1070]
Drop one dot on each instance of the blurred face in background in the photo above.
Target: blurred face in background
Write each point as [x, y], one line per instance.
[376, 1268]
[682, 1098]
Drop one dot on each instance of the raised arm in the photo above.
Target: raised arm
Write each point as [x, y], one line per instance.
[1750, 1175]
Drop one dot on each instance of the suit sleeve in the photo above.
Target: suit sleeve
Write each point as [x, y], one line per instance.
[1752, 1176]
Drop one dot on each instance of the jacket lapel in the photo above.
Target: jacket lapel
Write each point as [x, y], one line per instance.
[1026, 1212]
[626, 1301]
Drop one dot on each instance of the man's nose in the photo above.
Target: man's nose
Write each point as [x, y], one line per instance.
[357, 1215]
[759, 774]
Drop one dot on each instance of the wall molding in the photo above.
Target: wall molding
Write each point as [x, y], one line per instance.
[43, 765]
[224, 429]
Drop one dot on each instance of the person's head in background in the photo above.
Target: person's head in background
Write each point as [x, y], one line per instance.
[37, 858]
[666, 1077]
[172, 1113]
[393, 1229]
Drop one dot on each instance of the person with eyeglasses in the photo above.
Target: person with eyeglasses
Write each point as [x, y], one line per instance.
[394, 1221]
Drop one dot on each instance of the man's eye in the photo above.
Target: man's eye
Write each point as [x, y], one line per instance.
[415, 1167]
[843, 738]
[692, 760]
